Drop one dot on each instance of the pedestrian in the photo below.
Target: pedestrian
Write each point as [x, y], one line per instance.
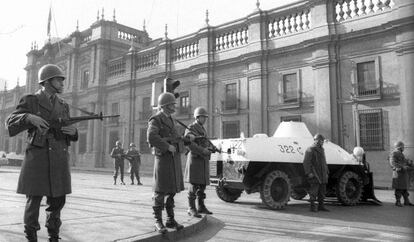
[197, 170]
[400, 174]
[118, 154]
[168, 178]
[45, 169]
[316, 171]
[134, 159]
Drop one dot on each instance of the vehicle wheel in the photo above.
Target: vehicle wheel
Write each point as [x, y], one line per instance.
[228, 194]
[298, 194]
[276, 190]
[349, 188]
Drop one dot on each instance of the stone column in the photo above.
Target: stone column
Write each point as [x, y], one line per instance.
[90, 131]
[406, 63]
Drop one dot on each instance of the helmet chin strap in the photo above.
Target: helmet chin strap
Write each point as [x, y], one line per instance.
[51, 85]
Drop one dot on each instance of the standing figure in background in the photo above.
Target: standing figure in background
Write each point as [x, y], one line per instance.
[162, 135]
[134, 159]
[45, 169]
[197, 170]
[316, 171]
[118, 154]
[400, 176]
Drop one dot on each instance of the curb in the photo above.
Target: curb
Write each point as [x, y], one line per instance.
[172, 235]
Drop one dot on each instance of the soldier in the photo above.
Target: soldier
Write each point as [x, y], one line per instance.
[168, 179]
[400, 177]
[316, 171]
[197, 171]
[45, 169]
[134, 162]
[118, 154]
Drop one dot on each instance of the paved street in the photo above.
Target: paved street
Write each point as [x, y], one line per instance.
[100, 211]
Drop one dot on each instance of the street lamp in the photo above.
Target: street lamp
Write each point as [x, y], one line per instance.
[354, 101]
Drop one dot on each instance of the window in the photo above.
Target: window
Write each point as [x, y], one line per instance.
[82, 143]
[184, 105]
[367, 85]
[231, 129]
[231, 96]
[143, 145]
[294, 118]
[371, 129]
[85, 79]
[146, 109]
[290, 88]
[113, 137]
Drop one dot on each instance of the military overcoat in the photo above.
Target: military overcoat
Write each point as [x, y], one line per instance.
[197, 169]
[400, 174]
[315, 162]
[168, 176]
[45, 169]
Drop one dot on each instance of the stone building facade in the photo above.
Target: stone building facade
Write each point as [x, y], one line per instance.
[342, 67]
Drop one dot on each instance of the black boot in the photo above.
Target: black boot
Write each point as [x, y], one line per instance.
[139, 181]
[114, 180]
[398, 200]
[192, 211]
[171, 223]
[159, 226]
[201, 207]
[31, 234]
[406, 200]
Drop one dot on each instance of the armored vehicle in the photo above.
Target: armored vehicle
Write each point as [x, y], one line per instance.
[273, 166]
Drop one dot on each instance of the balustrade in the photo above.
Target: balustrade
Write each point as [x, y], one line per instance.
[126, 36]
[289, 24]
[232, 38]
[348, 9]
[86, 38]
[185, 51]
[116, 68]
[145, 61]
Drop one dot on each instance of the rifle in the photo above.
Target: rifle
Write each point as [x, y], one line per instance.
[55, 126]
[211, 147]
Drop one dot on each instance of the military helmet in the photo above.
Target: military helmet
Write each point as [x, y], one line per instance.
[200, 111]
[118, 142]
[132, 145]
[318, 137]
[399, 144]
[165, 99]
[49, 71]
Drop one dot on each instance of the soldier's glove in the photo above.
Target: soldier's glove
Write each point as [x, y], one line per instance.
[172, 149]
[191, 137]
[69, 130]
[38, 122]
[397, 169]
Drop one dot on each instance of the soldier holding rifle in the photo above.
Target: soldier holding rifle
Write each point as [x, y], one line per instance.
[45, 169]
[118, 154]
[168, 179]
[134, 159]
[197, 170]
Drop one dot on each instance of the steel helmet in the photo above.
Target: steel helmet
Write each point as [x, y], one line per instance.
[49, 71]
[318, 137]
[399, 144]
[165, 99]
[118, 143]
[358, 151]
[132, 145]
[200, 111]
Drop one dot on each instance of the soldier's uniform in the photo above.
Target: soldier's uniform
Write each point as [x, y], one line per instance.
[134, 159]
[168, 178]
[400, 176]
[45, 169]
[314, 163]
[197, 170]
[117, 153]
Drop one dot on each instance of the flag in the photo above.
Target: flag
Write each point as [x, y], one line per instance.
[48, 21]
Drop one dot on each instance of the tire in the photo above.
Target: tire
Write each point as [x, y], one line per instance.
[349, 188]
[228, 194]
[276, 190]
[298, 194]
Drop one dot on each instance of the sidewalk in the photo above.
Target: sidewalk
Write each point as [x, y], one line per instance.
[95, 211]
